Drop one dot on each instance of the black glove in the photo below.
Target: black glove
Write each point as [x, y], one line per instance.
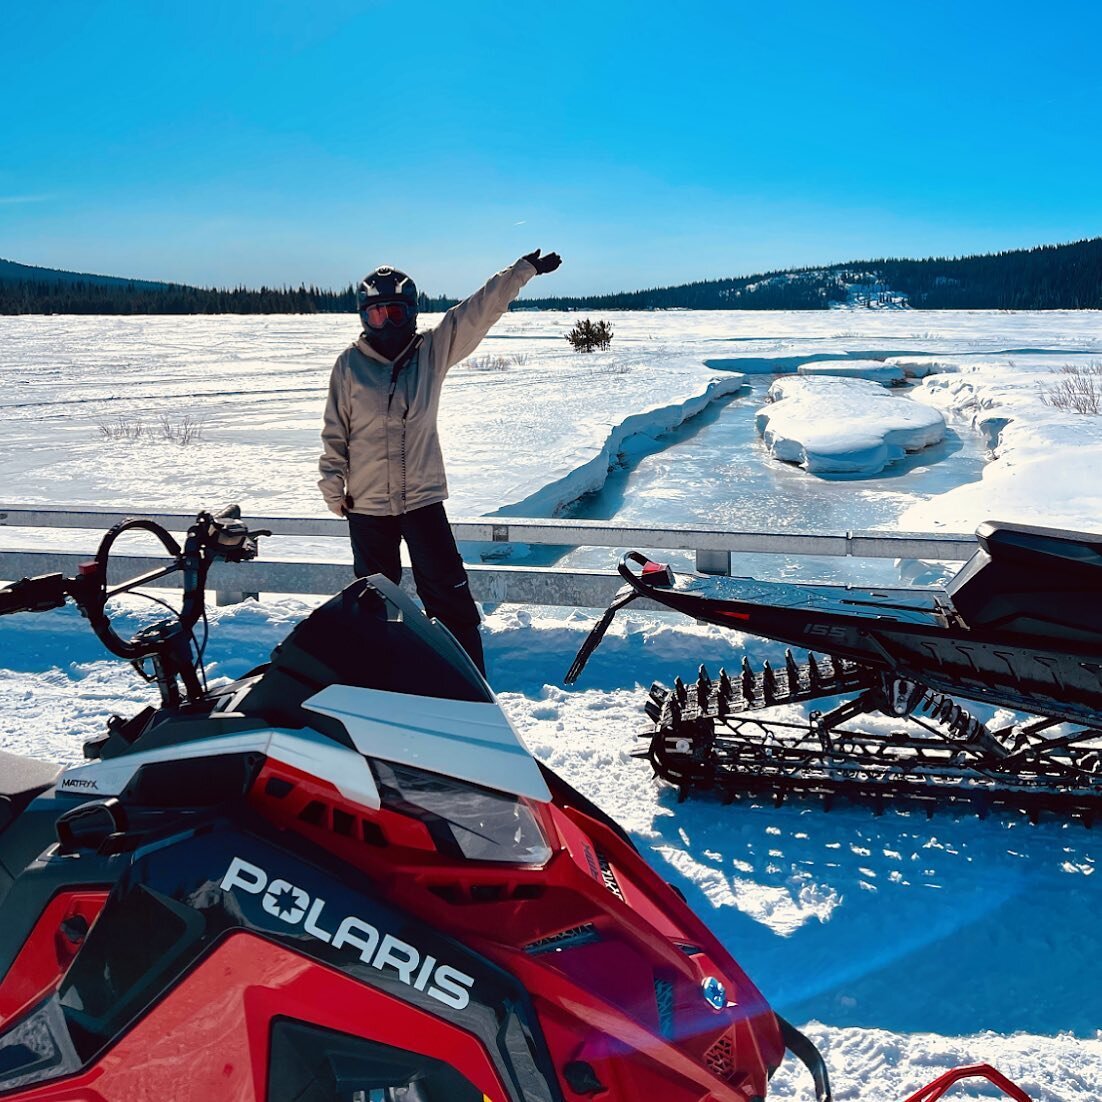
[543, 264]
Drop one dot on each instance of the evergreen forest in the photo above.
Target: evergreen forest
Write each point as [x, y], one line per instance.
[1047, 277]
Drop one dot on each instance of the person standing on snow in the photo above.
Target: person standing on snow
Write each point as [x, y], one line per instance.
[381, 467]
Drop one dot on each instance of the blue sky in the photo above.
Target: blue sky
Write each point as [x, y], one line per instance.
[649, 143]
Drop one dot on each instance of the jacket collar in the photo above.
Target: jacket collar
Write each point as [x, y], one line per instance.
[370, 352]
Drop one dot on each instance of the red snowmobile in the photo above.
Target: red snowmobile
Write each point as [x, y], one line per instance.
[342, 877]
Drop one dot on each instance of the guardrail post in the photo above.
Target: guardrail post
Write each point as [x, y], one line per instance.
[233, 597]
[713, 562]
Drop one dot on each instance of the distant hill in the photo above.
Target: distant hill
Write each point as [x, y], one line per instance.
[11, 272]
[25, 289]
[1048, 277]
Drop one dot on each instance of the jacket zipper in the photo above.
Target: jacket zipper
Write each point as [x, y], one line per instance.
[398, 365]
[389, 403]
[404, 462]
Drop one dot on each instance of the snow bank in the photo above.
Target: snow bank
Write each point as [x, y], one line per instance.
[568, 483]
[918, 367]
[1046, 465]
[888, 368]
[844, 426]
[876, 371]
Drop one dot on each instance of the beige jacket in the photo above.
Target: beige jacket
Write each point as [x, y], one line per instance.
[382, 450]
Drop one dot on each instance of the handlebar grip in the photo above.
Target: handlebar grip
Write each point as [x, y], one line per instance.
[34, 594]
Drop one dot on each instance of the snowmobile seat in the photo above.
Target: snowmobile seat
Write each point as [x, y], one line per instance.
[1031, 581]
[21, 779]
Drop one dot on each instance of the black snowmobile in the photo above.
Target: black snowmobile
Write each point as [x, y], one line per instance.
[1019, 627]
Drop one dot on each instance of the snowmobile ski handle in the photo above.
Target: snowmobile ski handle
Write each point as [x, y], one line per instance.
[654, 575]
[935, 1090]
[803, 1048]
[33, 594]
[660, 576]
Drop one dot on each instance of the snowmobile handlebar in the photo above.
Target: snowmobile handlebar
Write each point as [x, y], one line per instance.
[212, 537]
[34, 594]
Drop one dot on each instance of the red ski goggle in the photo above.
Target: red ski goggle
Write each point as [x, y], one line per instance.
[396, 313]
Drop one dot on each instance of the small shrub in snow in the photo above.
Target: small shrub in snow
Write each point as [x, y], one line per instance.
[186, 430]
[122, 430]
[588, 336]
[183, 432]
[1078, 388]
[497, 363]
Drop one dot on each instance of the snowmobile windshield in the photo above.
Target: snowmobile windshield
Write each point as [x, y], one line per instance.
[370, 636]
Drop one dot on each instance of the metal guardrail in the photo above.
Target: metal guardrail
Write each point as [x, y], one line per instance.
[489, 584]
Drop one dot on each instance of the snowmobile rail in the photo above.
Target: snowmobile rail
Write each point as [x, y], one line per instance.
[1016, 629]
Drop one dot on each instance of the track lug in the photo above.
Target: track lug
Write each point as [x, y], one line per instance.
[814, 676]
[703, 688]
[724, 684]
[793, 672]
[768, 682]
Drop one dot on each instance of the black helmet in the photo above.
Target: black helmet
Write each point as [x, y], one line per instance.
[385, 285]
[387, 302]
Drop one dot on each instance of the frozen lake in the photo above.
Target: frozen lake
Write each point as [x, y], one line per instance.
[713, 473]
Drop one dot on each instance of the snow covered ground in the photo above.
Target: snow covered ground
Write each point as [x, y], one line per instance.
[1047, 466]
[877, 370]
[903, 946]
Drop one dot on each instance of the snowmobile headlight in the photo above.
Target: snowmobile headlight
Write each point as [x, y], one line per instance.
[463, 819]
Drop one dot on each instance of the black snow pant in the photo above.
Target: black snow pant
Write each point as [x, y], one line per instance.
[437, 568]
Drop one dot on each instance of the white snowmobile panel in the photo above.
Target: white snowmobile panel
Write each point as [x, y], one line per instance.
[304, 749]
[469, 740]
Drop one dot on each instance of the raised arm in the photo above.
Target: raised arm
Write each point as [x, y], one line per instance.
[333, 463]
[464, 325]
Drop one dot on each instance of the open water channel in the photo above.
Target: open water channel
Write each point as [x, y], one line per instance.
[715, 472]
